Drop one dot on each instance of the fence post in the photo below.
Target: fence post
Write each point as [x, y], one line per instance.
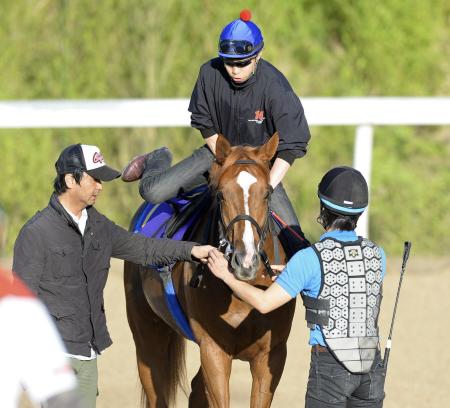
[362, 161]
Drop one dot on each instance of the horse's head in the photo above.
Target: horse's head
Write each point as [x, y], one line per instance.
[240, 179]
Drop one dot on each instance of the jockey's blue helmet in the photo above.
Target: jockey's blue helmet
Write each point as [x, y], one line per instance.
[343, 190]
[241, 38]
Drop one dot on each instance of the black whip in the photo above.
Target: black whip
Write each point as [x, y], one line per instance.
[387, 350]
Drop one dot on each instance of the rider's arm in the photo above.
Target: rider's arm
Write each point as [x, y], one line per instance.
[263, 300]
[290, 122]
[211, 142]
[199, 104]
[278, 171]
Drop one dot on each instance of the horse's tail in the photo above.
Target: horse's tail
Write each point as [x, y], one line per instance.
[160, 350]
[173, 372]
[176, 367]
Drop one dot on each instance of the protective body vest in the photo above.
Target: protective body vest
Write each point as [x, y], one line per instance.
[348, 304]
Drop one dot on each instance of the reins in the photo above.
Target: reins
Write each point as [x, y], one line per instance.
[280, 221]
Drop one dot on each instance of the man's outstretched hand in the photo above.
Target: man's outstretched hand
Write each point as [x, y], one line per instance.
[201, 252]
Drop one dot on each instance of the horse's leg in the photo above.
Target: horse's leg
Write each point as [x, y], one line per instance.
[197, 397]
[216, 370]
[266, 371]
[159, 350]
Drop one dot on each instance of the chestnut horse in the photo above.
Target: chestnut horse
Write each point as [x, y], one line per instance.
[224, 327]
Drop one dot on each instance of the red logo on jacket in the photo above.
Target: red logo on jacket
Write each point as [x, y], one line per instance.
[259, 117]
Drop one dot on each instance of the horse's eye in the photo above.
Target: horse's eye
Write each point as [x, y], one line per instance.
[219, 195]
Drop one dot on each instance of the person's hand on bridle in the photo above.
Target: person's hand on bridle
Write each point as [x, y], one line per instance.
[278, 269]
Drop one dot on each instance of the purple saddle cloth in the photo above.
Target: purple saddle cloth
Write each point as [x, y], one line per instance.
[174, 219]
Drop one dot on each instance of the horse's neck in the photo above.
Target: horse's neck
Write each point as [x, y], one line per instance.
[207, 231]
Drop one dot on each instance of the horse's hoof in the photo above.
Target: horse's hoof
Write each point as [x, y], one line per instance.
[134, 169]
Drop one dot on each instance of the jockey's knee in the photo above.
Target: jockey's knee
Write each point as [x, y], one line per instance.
[154, 195]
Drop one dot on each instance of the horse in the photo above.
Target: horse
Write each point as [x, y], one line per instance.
[223, 326]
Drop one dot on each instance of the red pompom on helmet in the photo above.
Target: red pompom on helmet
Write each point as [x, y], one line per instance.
[245, 15]
[241, 38]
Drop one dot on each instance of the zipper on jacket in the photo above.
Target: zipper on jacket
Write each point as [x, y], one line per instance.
[238, 121]
[92, 344]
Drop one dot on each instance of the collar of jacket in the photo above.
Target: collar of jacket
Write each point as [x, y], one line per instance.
[56, 205]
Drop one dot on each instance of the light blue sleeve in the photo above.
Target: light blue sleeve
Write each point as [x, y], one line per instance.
[302, 272]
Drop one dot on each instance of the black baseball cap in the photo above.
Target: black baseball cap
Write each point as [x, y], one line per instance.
[87, 158]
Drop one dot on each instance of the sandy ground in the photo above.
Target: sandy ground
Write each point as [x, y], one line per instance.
[418, 366]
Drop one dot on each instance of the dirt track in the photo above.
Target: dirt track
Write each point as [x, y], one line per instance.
[418, 367]
[418, 375]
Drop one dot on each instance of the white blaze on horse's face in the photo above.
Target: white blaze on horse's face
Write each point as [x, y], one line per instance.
[245, 180]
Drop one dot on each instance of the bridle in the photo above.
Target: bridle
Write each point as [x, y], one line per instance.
[224, 230]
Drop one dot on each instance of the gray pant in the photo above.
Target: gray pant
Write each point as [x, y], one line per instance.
[158, 186]
[86, 372]
[330, 385]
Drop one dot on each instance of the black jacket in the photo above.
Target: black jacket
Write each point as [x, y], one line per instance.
[251, 112]
[68, 271]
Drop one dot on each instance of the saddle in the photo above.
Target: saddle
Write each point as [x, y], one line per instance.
[175, 219]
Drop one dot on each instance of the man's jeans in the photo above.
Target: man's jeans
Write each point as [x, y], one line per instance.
[331, 385]
[158, 186]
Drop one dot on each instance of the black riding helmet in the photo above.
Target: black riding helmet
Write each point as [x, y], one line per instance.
[343, 190]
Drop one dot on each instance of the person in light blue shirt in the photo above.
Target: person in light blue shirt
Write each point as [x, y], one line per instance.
[300, 274]
[340, 281]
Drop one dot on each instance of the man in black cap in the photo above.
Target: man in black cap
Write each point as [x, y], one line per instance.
[63, 255]
[340, 280]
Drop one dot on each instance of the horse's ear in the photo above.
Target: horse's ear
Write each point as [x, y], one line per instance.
[268, 149]
[223, 149]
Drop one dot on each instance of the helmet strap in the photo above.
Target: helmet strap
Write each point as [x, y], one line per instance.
[257, 58]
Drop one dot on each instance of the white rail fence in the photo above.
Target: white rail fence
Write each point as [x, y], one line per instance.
[362, 112]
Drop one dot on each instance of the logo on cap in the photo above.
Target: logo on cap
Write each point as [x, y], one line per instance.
[97, 158]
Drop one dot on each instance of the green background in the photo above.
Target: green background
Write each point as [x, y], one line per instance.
[146, 49]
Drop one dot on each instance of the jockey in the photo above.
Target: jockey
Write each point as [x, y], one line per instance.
[246, 99]
[340, 280]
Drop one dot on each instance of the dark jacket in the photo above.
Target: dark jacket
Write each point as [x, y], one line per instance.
[251, 112]
[68, 271]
